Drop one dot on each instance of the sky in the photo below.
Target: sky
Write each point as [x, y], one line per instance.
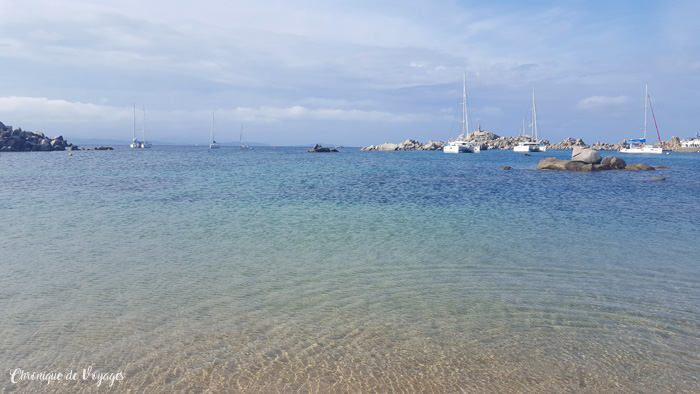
[352, 73]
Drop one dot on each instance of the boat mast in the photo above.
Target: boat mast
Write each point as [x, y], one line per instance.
[646, 103]
[534, 115]
[143, 129]
[212, 128]
[134, 130]
[465, 128]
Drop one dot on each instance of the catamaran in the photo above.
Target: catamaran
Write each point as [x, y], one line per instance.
[533, 145]
[213, 144]
[457, 145]
[639, 145]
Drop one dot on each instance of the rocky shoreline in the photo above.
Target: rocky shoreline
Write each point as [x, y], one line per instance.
[490, 141]
[18, 140]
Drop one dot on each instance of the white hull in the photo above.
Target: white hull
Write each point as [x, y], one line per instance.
[460, 147]
[529, 147]
[146, 144]
[643, 149]
[214, 146]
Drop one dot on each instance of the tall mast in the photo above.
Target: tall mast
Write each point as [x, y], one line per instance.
[134, 131]
[212, 127]
[143, 129]
[646, 95]
[465, 125]
[534, 114]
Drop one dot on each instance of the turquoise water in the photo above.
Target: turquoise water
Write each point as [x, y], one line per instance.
[276, 270]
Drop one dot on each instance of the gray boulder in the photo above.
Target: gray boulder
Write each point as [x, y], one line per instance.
[552, 163]
[614, 163]
[586, 155]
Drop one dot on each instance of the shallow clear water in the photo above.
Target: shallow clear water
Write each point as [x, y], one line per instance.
[277, 270]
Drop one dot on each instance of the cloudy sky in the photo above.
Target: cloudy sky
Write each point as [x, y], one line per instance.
[354, 72]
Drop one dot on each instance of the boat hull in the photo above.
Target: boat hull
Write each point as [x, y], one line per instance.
[530, 148]
[459, 149]
[643, 149]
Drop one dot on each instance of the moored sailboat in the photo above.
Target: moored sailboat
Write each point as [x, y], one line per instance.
[213, 144]
[457, 145]
[639, 145]
[533, 145]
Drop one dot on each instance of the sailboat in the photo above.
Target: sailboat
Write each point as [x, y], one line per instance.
[243, 144]
[213, 144]
[457, 145]
[144, 143]
[639, 145]
[134, 142]
[532, 145]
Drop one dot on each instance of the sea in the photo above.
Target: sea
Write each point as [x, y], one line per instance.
[274, 270]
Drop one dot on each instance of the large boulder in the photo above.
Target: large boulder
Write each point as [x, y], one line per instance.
[586, 155]
[552, 163]
[613, 163]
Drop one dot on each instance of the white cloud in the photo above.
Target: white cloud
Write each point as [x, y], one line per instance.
[63, 111]
[602, 102]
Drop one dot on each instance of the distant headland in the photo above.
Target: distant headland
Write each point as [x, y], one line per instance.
[491, 141]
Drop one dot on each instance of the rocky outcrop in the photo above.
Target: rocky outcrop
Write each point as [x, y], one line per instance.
[321, 149]
[384, 146]
[18, 140]
[590, 163]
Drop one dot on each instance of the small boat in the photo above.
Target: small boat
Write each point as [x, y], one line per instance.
[533, 145]
[457, 145]
[213, 144]
[639, 145]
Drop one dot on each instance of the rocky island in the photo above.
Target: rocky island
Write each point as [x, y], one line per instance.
[487, 140]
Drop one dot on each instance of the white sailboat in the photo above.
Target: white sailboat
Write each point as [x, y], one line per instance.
[639, 145]
[134, 142]
[457, 145]
[243, 144]
[213, 144]
[533, 145]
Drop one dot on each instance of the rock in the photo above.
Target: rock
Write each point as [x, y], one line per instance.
[507, 168]
[658, 178]
[384, 146]
[614, 163]
[639, 167]
[609, 163]
[661, 167]
[321, 149]
[586, 155]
